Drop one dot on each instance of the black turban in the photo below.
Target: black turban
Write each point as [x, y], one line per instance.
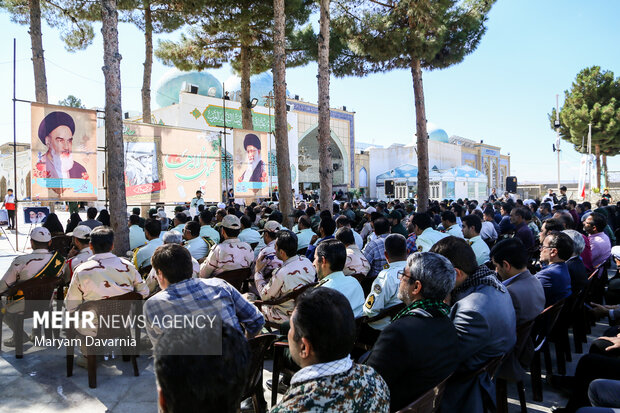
[251, 139]
[54, 120]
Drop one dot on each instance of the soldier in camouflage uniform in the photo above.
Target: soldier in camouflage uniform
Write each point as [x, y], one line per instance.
[230, 254]
[267, 261]
[41, 263]
[104, 275]
[296, 271]
[329, 381]
[81, 235]
[356, 261]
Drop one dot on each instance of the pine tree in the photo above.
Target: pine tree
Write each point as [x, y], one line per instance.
[594, 97]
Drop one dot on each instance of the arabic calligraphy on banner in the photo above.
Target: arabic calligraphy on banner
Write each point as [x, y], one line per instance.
[214, 115]
[165, 164]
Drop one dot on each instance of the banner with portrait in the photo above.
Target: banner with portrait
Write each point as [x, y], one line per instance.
[166, 164]
[250, 164]
[64, 153]
[36, 215]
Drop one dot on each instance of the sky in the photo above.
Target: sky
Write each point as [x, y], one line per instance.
[501, 93]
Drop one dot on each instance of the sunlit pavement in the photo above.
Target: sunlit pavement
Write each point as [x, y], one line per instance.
[38, 382]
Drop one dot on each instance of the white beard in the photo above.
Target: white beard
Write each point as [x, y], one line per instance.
[250, 169]
[62, 163]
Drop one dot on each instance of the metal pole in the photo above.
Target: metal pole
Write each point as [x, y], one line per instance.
[270, 137]
[589, 167]
[557, 128]
[15, 146]
[225, 151]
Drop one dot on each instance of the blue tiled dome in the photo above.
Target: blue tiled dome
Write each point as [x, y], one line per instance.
[171, 83]
[438, 135]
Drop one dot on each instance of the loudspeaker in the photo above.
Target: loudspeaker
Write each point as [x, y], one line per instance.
[389, 187]
[511, 184]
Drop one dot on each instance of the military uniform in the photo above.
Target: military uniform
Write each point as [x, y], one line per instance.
[72, 263]
[428, 238]
[197, 247]
[455, 230]
[295, 272]
[102, 276]
[356, 262]
[153, 284]
[384, 293]
[26, 267]
[230, 254]
[142, 256]
[481, 249]
[267, 261]
[209, 231]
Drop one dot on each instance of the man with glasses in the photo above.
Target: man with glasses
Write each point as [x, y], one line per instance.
[556, 248]
[415, 352]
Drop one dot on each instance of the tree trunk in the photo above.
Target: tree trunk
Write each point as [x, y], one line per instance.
[605, 172]
[38, 61]
[148, 63]
[597, 152]
[279, 88]
[422, 136]
[114, 126]
[246, 112]
[326, 171]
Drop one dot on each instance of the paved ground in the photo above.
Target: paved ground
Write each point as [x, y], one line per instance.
[38, 382]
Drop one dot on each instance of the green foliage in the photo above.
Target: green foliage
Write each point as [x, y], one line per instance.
[72, 102]
[218, 28]
[594, 97]
[371, 36]
[62, 15]
[165, 18]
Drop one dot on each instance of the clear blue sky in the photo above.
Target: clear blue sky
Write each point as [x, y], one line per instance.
[501, 93]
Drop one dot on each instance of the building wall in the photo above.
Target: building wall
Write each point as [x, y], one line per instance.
[362, 160]
[440, 154]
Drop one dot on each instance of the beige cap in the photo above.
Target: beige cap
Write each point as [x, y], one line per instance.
[231, 221]
[81, 232]
[41, 235]
[272, 226]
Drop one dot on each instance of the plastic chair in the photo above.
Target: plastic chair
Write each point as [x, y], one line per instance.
[238, 278]
[292, 295]
[543, 324]
[429, 402]
[38, 293]
[501, 392]
[114, 306]
[259, 346]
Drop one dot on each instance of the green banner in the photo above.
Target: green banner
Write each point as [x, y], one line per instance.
[214, 116]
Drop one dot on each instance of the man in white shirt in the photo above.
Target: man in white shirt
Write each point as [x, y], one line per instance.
[248, 234]
[206, 230]
[448, 220]
[471, 229]
[343, 221]
[305, 234]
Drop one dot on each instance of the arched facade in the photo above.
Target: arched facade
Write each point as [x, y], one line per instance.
[309, 158]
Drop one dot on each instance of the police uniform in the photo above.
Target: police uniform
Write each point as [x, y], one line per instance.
[481, 249]
[197, 247]
[230, 254]
[210, 232]
[142, 257]
[102, 276]
[455, 230]
[428, 238]
[384, 293]
[295, 272]
[356, 262]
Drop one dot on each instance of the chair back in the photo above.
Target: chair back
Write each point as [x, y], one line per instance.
[429, 402]
[544, 322]
[386, 312]
[37, 293]
[292, 295]
[596, 283]
[61, 244]
[237, 277]
[258, 349]
[120, 305]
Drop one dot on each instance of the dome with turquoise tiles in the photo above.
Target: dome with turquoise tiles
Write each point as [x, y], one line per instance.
[170, 85]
